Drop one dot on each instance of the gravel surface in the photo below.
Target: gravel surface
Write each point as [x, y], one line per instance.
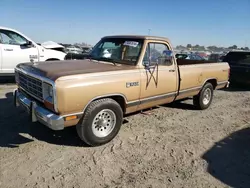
[176, 146]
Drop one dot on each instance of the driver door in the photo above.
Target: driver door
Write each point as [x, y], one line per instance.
[159, 79]
[13, 52]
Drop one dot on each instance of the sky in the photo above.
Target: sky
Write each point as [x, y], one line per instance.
[212, 22]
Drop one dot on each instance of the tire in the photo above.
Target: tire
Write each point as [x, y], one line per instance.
[101, 122]
[204, 99]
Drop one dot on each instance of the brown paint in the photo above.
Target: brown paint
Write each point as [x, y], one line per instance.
[78, 82]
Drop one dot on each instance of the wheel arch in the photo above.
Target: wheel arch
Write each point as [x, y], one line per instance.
[119, 98]
[212, 81]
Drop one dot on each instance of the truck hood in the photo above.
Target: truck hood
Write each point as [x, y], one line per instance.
[51, 45]
[56, 69]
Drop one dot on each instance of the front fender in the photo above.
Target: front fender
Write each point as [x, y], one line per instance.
[76, 92]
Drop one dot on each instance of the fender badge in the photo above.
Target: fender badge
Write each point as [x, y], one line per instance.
[131, 84]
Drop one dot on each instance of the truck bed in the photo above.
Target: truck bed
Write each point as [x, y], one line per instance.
[192, 62]
[194, 73]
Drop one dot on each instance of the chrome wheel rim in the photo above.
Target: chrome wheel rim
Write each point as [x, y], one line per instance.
[104, 123]
[207, 96]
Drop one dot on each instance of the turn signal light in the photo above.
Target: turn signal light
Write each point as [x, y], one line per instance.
[70, 118]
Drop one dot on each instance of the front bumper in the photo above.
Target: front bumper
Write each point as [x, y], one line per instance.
[38, 113]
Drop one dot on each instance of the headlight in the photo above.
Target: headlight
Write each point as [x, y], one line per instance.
[17, 77]
[48, 92]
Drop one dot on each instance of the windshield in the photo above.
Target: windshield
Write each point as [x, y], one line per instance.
[118, 50]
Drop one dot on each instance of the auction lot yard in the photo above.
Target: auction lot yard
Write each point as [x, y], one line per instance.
[176, 146]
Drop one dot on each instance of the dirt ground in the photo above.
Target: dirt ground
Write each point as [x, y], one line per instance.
[177, 146]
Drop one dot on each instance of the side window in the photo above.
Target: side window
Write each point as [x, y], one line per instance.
[155, 53]
[12, 38]
[246, 59]
[132, 53]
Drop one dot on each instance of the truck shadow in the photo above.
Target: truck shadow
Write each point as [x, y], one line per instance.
[229, 159]
[7, 79]
[16, 129]
[181, 104]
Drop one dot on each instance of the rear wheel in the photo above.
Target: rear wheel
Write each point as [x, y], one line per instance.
[101, 122]
[204, 99]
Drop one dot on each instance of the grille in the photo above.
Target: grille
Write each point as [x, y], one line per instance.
[31, 85]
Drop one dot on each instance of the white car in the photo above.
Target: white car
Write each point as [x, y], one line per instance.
[17, 48]
[74, 50]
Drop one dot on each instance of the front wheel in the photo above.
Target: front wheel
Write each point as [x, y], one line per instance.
[204, 98]
[101, 122]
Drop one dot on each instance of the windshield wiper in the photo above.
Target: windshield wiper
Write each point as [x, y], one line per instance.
[107, 59]
[90, 57]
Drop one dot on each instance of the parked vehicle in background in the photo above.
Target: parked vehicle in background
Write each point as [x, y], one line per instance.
[239, 62]
[53, 45]
[189, 56]
[74, 49]
[82, 55]
[75, 56]
[86, 49]
[216, 57]
[17, 48]
[94, 94]
[202, 55]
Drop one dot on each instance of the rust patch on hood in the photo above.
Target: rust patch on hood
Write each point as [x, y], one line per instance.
[56, 69]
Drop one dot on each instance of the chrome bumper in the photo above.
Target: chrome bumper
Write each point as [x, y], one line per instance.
[38, 113]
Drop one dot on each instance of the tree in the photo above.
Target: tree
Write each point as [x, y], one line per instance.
[234, 47]
[202, 48]
[189, 45]
[212, 48]
[180, 47]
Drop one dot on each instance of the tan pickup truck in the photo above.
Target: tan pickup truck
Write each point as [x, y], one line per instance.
[121, 75]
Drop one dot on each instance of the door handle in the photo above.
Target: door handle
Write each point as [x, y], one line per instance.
[171, 70]
[8, 49]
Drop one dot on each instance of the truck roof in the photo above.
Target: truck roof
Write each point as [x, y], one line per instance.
[139, 37]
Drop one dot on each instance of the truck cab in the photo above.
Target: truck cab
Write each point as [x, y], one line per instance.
[16, 48]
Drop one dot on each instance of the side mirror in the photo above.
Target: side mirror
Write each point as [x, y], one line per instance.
[145, 64]
[168, 54]
[27, 44]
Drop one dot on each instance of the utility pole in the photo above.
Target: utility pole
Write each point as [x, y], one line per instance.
[149, 31]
